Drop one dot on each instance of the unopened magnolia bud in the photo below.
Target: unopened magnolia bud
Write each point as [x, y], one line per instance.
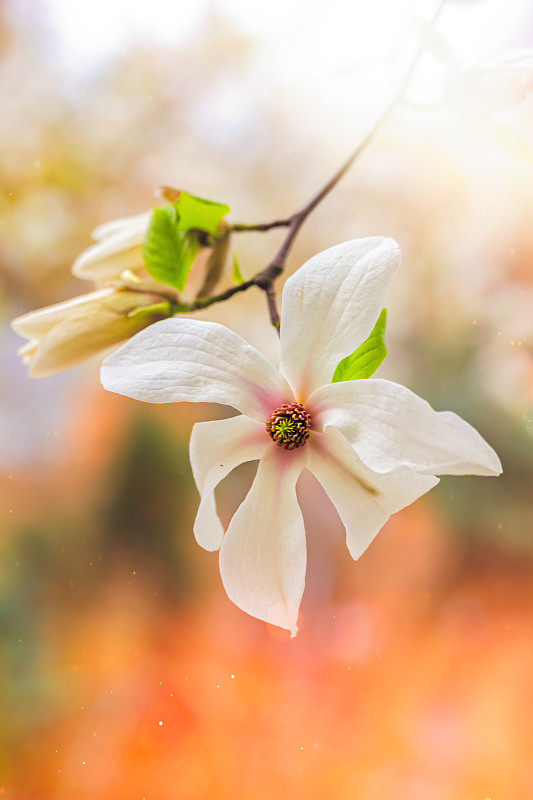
[130, 280]
[68, 333]
[118, 248]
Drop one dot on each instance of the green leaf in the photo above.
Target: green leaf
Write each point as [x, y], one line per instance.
[237, 274]
[171, 243]
[163, 309]
[169, 252]
[199, 213]
[368, 356]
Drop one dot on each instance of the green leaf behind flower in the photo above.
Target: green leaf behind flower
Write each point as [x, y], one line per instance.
[167, 251]
[237, 276]
[368, 356]
[171, 242]
[199, 213]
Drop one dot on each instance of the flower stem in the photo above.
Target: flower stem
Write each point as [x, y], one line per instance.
[240, 227]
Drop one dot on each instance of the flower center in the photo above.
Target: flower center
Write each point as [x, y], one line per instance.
[288, 426]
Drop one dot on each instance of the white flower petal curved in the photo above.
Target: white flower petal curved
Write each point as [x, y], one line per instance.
[330, 306]
[216, 448]
[138, 222]
[263, 554]
[192, 360]
[37, 324]
[113, 254]
[390, 426]
[373, 445]
[71, 332]
[364, 499]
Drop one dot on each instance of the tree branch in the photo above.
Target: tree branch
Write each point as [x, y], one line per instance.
[264, 279]
[240, 227]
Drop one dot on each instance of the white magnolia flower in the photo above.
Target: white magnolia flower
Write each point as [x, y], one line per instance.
[373, 445]
[118, 248]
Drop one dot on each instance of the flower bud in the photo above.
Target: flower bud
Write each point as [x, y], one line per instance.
[118, 247]
[68, 333]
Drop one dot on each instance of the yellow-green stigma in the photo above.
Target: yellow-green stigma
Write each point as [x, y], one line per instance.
[288, 426]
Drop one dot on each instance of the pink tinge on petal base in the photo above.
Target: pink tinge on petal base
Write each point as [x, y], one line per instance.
[191, 360]
[268, 397]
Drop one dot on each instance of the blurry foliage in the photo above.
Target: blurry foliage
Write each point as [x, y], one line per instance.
[149, 511]
[134, 547]
[499, 511]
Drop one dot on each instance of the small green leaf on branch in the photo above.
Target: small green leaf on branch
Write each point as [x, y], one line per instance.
[162, 309]
[169, 251]
[368, 356]
[237, 276]
[197, 213]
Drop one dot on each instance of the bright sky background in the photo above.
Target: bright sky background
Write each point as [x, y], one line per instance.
[90, 29]
[343, 57]
[295, 37]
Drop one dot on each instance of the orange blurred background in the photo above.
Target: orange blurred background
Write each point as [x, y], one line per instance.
[125, 672]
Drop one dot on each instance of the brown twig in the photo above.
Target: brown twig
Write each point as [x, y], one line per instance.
[265, 279]
[240, 227]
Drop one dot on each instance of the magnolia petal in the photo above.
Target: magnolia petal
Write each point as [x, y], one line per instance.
[113, 254]
[137, 222]
[216, 448]
[330, 306]
[101, 321]
[191, 360]
[37, 324]
[263, 554]
[27, 351]
[95, 265]
[364, 499]
[390, 426]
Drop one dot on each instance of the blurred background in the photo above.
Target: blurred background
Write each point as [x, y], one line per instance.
[125, 672]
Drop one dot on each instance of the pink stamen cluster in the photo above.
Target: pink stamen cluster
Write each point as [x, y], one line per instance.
[288, 426]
